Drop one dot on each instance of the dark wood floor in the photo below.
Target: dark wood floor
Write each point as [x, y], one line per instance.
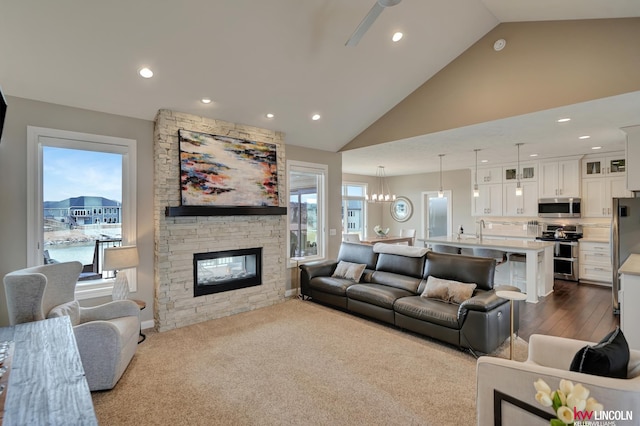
[574, 310]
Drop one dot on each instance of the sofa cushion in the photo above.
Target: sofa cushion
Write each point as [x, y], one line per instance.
[466, 269]
[429, 310]
[609, 358]
[397, 264]
[358, 253]
[448, 290]
[391, 279]
[379, 295]
[337, 286]
[348, 270]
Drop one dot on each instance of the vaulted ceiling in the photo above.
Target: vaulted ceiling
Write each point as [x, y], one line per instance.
[253, 57]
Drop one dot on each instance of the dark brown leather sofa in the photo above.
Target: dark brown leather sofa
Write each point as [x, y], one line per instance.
[390, 288]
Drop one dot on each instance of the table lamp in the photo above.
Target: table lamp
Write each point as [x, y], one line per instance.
[116, 259]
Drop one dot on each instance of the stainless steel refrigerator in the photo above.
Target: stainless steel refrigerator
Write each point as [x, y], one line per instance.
[625, 238]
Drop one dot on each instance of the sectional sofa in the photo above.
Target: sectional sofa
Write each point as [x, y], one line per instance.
[417, 290]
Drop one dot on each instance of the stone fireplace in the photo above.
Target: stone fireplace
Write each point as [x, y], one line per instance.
[179, 238]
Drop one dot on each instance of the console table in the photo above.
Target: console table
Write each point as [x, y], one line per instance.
[46, 382]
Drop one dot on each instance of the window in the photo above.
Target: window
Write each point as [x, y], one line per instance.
[72, 179]
[353, 208]
[307, 207]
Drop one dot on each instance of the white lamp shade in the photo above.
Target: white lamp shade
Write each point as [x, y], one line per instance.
[118, 258]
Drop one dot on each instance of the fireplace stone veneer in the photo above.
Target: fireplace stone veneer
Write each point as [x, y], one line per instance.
[178, 238]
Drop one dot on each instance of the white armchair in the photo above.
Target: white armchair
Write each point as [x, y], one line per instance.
[106, 335]
[549, 359]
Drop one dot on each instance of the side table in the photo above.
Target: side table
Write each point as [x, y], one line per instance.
[141, 304]
[297, 259]
[511, 296]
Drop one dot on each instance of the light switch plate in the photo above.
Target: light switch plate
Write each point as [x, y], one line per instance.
[332, 232]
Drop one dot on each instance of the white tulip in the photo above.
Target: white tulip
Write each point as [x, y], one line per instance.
[542, 386]
[575, 402]
[561, 395]
[544, 399]
[580, 392]
[566, 386]
[565, 415]
[593, 405]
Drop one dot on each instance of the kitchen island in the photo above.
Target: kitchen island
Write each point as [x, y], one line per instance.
[539, 280]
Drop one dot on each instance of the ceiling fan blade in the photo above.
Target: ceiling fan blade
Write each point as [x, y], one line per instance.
[373, 14]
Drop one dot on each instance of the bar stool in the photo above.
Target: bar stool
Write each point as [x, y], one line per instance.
[518, 270]
[499, 255]
[441, 248]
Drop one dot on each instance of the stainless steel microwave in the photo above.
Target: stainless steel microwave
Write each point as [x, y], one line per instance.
[559, 207]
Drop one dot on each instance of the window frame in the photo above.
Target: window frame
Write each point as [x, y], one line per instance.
[37, 137]
[344, 200]
[323, 171]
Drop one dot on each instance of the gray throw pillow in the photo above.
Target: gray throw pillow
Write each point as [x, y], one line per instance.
[448, 290]
[349, 271]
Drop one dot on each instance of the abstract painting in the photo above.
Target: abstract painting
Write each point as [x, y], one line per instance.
[224, 171]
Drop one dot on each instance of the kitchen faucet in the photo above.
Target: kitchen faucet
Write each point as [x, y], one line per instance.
[479, 234]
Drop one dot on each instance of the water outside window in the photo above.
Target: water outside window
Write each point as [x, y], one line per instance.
[82, 200]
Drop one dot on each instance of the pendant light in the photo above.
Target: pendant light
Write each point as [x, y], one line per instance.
[383, 195]
[518, 187]
[476, 190]
[440, 192]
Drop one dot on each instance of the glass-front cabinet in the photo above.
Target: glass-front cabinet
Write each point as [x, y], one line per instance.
[527, 172]
[609, 165]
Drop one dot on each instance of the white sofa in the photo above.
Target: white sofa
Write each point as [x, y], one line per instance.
[549, 359]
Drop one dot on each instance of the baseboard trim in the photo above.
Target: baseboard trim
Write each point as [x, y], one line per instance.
[147, 324]
[291, 293]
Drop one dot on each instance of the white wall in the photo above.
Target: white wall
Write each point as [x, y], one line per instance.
[412, 186]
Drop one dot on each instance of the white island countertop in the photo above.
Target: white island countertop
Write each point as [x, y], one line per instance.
[515, 245]
[631, 266]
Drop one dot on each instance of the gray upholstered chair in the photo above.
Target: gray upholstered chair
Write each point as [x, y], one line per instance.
[107, 335]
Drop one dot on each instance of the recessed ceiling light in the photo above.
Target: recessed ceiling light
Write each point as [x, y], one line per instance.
[533, 155]
[584, 137]
[484, 161]
[397, 36]
[145, 72]
[563, 120]
[269, 115]
[315, 117]
[596, 147]
[205, 100]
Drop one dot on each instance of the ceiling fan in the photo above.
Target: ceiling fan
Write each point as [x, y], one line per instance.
[373, 14]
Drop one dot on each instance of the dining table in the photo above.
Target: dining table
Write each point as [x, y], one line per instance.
[389, 239]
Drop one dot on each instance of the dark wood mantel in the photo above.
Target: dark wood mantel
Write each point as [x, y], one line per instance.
[224, 211]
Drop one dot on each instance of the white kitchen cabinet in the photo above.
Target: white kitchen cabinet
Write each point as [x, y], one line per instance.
[633, 157]
[604, 165]
[560, 179]
[595, 262]
[629, 296]
[524, 205]
[598, 192]
[527, 172]
[490, 175]
[489, 203]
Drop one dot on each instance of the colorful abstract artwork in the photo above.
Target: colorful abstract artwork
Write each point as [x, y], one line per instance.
[224, 171]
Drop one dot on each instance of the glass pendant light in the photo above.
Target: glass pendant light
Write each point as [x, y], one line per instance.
[476, 190]
[518, 187]
[440, 192]
[383, 195]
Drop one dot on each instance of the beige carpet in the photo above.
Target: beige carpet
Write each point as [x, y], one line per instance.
[295, 363]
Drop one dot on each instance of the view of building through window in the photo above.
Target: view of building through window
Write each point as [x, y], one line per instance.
[353, 208]
[82, 205]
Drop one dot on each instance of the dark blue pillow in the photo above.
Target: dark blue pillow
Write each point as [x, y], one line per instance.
[609, 358]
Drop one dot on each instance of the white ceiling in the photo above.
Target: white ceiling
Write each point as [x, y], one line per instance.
[281, 56]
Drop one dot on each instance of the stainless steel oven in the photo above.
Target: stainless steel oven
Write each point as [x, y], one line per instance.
[565, 250]
[565, 260]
